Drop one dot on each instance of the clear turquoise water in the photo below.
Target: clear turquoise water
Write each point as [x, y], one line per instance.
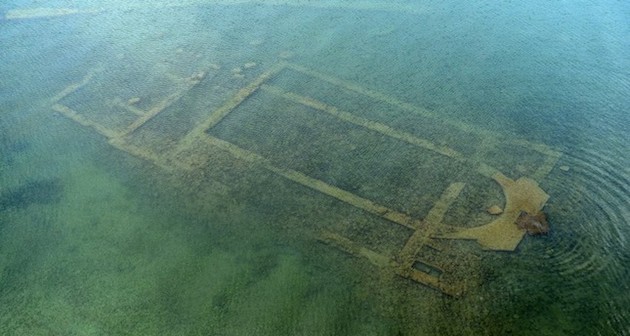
[95, 241]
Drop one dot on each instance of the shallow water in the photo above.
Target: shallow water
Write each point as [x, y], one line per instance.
[342, 121]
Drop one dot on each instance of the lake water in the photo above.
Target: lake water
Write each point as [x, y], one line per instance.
[296, 167]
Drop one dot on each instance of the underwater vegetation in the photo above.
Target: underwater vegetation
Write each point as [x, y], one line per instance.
[45, 191]
[9, 148]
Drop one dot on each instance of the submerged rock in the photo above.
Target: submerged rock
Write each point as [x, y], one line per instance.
[533, 224]
[494, 210]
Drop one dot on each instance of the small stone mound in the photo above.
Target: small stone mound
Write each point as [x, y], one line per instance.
[494, 210]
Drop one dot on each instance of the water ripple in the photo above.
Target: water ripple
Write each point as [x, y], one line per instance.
[590, 246]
